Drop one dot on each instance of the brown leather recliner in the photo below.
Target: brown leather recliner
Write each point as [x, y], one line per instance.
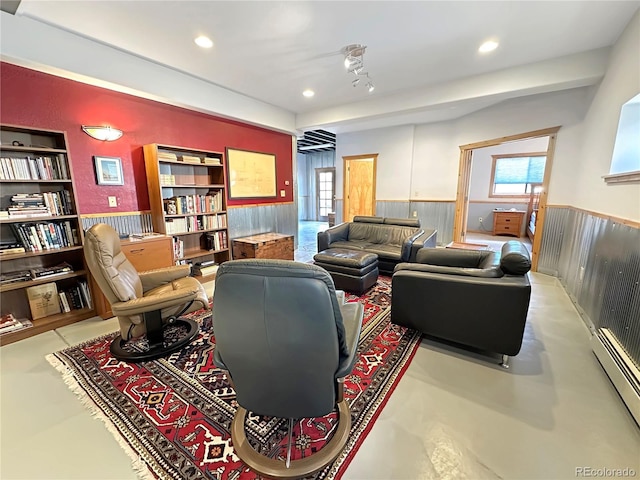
[144, 302]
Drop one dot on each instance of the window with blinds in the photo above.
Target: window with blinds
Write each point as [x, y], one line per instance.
[516, 175]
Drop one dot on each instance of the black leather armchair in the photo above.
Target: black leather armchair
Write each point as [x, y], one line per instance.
[287, 341]
[474, 298]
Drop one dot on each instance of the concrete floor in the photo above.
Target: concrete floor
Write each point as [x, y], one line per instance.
[454, 414]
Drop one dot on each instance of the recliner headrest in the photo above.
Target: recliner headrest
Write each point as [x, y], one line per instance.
[515, 258]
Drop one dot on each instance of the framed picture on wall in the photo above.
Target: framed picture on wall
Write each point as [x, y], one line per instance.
[108, 170]
[251, 174]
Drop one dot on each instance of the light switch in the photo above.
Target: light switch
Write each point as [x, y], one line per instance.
[282, 193]
[113, 202]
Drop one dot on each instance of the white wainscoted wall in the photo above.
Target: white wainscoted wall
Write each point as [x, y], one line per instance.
[591, 227]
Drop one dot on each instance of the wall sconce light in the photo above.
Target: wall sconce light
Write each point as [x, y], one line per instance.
[106, 133]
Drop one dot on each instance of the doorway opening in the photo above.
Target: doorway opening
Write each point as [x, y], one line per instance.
[533, 201]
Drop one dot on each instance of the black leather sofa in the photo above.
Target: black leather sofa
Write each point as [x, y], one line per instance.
[394, 240]
[478, 299]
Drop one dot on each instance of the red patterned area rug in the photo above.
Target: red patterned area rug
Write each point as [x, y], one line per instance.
[173, 415]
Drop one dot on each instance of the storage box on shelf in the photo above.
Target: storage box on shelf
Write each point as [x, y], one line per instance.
[188, 201]
[40, 230]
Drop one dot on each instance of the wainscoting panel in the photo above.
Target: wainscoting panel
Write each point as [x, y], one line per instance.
[597, 260]
[138, 222]
[281, 218]
[392, 209]
[307, 165]
[339, 210]
[437, 215]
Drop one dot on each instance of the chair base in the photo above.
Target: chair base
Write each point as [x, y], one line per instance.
[271, 468]
[157, 350]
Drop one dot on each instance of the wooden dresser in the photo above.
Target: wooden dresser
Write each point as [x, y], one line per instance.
[264, 245]
[508, 222]
[145, 254]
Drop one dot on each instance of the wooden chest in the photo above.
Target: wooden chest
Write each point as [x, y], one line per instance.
[264, 245]
[508, 222]
[144, 254]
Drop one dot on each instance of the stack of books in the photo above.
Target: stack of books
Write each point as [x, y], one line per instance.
[28, 205]
[167, 156]
[203, 269]
[9, 323]
[190, 159]
[13, 277]
[10, 247]
[46, 272]
[211, 161]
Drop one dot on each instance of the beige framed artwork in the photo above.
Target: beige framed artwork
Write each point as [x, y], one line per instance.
[251, 174]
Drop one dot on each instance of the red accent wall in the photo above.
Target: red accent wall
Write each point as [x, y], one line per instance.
[35, 99]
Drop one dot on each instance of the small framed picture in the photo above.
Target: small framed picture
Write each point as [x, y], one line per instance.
[109, 170]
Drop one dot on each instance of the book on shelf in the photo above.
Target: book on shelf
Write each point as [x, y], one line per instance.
[167, 156]
[203, 271]
[13, 277]
[43, 300]
[44, 272]
[34, 168]
[10, 247]
[211, 161]
[9, 323]
[190, 159]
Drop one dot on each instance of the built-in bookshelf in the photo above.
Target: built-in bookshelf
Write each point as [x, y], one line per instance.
[188, 201]
[41, 232]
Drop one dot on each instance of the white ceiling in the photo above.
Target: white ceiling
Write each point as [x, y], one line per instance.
[420, 55]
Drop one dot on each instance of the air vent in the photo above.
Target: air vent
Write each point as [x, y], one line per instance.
[316, 141]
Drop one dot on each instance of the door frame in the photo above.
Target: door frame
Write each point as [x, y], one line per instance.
[333, 192]
[346, 180]
[464, 178]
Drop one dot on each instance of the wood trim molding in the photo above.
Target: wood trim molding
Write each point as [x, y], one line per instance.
[626, 177]
[521, 136]
[251, 205]
[620, 220]
[115, 214]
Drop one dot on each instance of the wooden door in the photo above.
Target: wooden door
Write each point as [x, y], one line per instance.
[359, 186]
[325, 193]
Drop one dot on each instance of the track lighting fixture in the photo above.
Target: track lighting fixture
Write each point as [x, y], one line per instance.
[354, 63]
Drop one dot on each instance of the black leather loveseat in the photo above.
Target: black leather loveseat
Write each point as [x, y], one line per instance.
[394, 240]
[478, 299]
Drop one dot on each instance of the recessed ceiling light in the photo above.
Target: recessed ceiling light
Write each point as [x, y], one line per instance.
[488, 46]
[204, 42]
[308, 93]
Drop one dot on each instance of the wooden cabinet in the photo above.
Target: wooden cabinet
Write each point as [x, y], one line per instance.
[264, 245]
[508, 222]
[36, 162]
[144, 254]
[188, 202]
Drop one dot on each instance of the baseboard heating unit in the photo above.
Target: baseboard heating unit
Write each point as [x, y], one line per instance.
[623, 373]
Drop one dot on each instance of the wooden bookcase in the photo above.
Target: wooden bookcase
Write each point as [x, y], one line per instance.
[42, 157]
[173, 177]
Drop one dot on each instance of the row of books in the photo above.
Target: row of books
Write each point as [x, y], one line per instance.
[34, 168]
[188, 204]
[188, 158]
[178, 248]
[36, 237]
[37, 273]
[9, 323]
[75, 298]
[217, 240]
[190, 224]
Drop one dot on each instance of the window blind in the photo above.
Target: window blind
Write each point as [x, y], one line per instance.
[519, 170]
